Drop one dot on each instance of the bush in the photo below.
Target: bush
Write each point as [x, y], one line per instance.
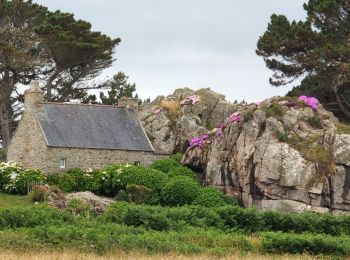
[8, 172]
[177, 157]
[138, 193]
[166, 165]
[85, 180]
[315, 121]
[111, 181]
[66, 182]
[182, 171]
[32, 216]
[18, 179]
[38, 194]
[306, 243]
[180, 191]
[211, 197]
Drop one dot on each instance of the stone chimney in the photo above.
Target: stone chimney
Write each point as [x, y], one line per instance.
[33, 98]
[127, 102]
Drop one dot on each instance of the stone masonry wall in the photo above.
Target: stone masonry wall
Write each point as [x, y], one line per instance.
[94, 158]
[28, 146]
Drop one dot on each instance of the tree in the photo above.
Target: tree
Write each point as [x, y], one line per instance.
[119, 87]
[77, 54]
[314, 49]
[21, 55]
[52, 46]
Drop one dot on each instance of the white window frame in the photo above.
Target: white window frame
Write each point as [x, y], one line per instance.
[63, 165]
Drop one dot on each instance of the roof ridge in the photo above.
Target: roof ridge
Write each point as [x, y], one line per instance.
[80, 104]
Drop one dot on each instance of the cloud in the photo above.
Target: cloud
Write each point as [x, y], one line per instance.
[197, 43]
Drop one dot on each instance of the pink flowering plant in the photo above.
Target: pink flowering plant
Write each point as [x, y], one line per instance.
[235, 118]
[310, 101]
[158, 111]
[199, 141]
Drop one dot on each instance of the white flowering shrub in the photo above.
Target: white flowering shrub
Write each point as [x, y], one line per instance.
[14, 179]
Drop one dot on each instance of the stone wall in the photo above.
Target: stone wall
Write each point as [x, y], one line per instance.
[94, 158]
[28, 146]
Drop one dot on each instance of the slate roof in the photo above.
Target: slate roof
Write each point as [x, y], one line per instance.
[92, 126]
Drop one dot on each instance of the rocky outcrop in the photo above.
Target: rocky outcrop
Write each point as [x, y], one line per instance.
[85, 200]
[280, 154]
[169, 129]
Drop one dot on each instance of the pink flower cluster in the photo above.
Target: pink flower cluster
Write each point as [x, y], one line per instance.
[235, 118]
[310, 101]
[199, 141]
[190, 100]
[158, 111]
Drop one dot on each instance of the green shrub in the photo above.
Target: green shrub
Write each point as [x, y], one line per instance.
[282, 136]
[32, 216]
[182, 171]
[166, 165]
[85, 180]
[275, 110]
[111, 181]
[180, 191]
[66, 182]
[122, 196]
[177, 157]
[138, 193]
[8, 172]
[139, 175]
[211, 197]
[38, 194]
[305, 243]
[15, 179]
[315, 121]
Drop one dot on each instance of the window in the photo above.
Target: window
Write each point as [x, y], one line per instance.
[63, 163]
[137, 163]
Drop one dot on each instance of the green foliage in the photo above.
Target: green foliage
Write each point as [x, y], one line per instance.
[177, 157]
[282, 136]
[182, 171]
[343, 128]
[119, 87]
[313, 150]
[179, 191]
[32, 217]
[38, 194]
[315, 121]
[111, 181]
[275, 110]
[77, 53]
[165, 165]
[79, 208]
[315, 48]
[307, 243]
[138, 193]
[211, 197]
[13, 179]
[66, 182]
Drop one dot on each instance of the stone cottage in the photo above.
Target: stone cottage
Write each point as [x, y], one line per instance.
[56, 137]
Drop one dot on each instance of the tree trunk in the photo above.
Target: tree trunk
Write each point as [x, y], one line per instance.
[49, 86]
[5, 125]
[343, 106]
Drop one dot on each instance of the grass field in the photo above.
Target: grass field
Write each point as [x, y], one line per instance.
[10, 255]
[7, 200]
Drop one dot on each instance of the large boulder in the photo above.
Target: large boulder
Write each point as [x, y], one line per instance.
[280, 154]
[170, 131]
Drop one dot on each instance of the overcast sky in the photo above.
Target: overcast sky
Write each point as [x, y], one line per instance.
[187, 43]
